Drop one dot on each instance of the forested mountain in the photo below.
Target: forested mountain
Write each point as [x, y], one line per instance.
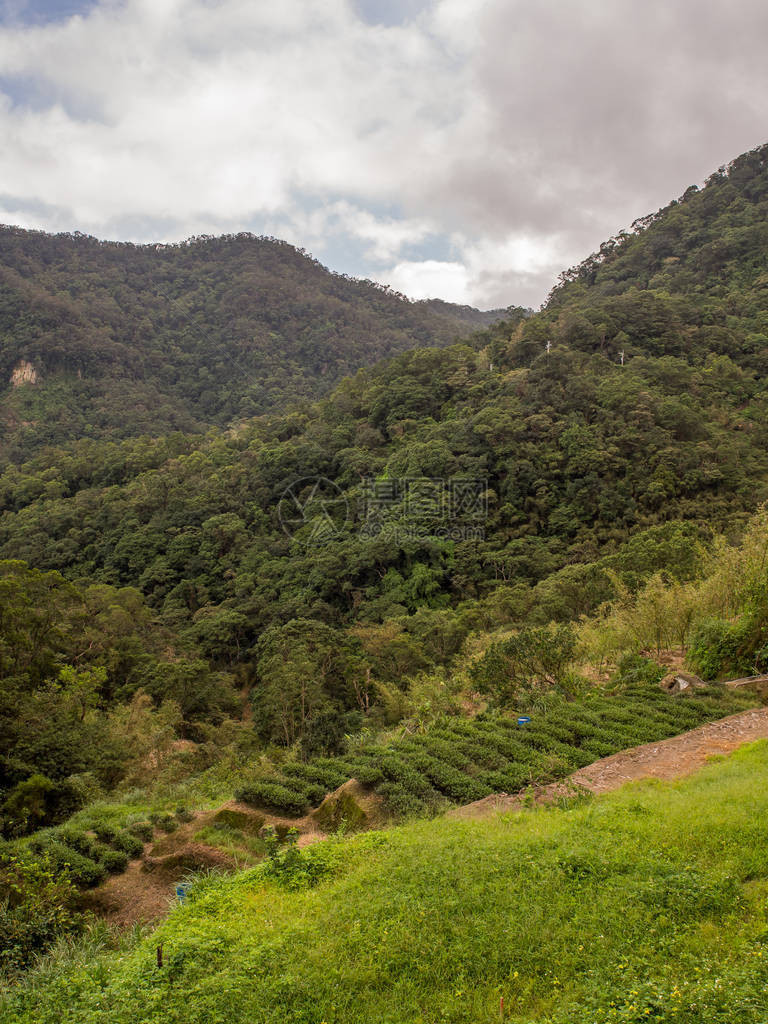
[627, 402]
[320, 558]
[124, 339]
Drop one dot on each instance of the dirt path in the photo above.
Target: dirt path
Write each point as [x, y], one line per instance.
[668, 759]
[146, 890]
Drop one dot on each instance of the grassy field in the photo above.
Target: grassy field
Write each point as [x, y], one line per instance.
[648, 904]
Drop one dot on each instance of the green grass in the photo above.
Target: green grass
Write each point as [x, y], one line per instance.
[647, 904]
[459, 761]
[243, 849]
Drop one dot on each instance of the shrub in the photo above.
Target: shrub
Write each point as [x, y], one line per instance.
[719, 649]
[368, 774]
[113, 861]
[634, 669]
[483, 755]
[326, 733]
[36, 906]
[398, 769]
[83, 789]
[598, 749]
[75, 839]
[536, 660]
[449, 781]
[106, 833]
[30, 805]
[143, 830]
[400, 801]
[451, 753]
[127, 843]
[292, 867]
[312, 792]
[327, 773]
[184, 815]
[83, 871]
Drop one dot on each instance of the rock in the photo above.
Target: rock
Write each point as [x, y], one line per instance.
[23, 373]
[351, 805]
[248, 822]
[679, 682]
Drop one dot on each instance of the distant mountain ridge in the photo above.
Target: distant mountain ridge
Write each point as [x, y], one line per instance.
[126, 339]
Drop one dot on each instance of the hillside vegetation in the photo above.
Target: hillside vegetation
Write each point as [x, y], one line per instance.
[649, 904]
[128, 339]
[582, 476]
[377, 583]
[459, 761]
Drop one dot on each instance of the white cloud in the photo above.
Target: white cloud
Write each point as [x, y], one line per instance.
[475, 149]
[431, 279]
[385, 237]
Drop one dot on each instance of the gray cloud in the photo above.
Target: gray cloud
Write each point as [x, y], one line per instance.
[499, 140]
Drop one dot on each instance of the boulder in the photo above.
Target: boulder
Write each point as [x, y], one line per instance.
[680, 682]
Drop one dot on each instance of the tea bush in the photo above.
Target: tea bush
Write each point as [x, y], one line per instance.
[82, 870]
[113, 861]
[277, 795]
[143, 830]
[127, 843]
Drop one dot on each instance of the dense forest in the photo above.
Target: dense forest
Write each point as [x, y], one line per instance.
[201, 544]
[634, 401]
[125, 339]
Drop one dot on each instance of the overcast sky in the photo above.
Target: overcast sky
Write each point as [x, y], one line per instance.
[463, 149]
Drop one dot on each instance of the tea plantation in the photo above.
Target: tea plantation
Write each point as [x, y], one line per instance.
[462, 760]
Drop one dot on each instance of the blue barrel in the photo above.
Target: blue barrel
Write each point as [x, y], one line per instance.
[181, 893]
[524, 720]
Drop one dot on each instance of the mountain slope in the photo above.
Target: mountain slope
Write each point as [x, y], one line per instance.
[330, 565]
[573, 449]
[710, 242]
[125, 339]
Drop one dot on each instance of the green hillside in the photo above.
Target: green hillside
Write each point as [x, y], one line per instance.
[649, 904]
[529, 476]
[567, 455]
[144, 339]
[375, 583]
